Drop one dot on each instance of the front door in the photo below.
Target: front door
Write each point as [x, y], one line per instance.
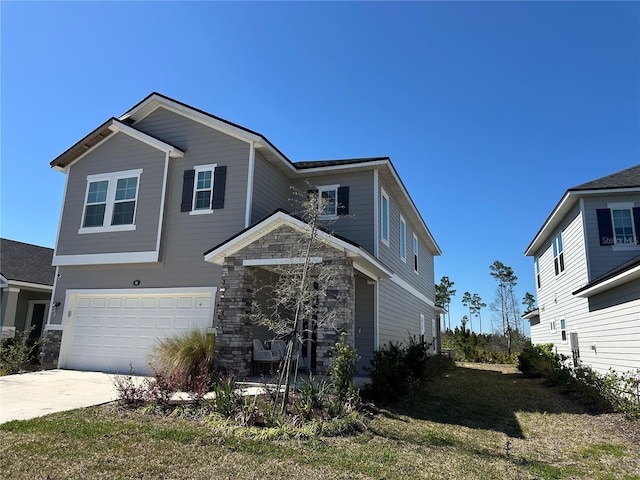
[36, 316]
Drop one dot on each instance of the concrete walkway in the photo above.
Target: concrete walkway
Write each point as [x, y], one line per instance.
[31, 395]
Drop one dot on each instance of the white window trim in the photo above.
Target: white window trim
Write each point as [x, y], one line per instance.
[328, 188]
[416, 257]
[552, 326]
[202, 168]
[554, 245]
[403, 239]
[623, 206]
[112, 178]
[384, 225]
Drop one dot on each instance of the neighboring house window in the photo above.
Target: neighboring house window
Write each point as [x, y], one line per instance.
[384, 217]
[552, 326]
[335, 201]
[619, 224]
[203, 189]
[558, 254]
[563, 330]
[415, 253]
[110, 202]
[536, 266]
[403, 239]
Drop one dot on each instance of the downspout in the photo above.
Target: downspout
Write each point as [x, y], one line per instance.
[250, 177]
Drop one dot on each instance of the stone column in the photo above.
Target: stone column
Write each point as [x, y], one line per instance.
[341, 297]
[234, 330]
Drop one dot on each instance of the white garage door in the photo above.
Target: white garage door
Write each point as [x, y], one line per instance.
[115, 331]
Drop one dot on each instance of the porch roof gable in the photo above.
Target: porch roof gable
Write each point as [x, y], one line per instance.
[362, 259]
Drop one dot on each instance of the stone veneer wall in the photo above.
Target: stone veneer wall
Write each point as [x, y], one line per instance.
[50, 351]
[234, 327]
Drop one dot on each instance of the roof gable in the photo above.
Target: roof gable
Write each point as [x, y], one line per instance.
[624, 181]
[24, 262]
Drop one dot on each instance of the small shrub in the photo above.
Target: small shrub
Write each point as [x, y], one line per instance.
[343, 367]
[16, 354]
[129, 391]
[397, 369]
[538, 361]
[226, 399]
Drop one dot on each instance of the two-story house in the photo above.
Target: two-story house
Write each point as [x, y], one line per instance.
[587, 273]
[172, 217]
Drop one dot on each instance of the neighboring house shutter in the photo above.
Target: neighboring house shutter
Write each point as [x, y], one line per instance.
[636, 223]
[219, 180]
[187, 190]
[343, 200]
[605, 227]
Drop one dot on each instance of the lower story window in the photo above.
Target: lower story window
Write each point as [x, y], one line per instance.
[563, 330]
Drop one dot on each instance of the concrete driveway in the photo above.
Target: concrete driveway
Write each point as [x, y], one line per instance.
[31, 395]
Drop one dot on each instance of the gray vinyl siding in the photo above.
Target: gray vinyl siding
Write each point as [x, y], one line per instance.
[603, 258]
[271, 189]
[185, 237]
[358, 225]
[400, 312]
[119, 152]
[390, 254]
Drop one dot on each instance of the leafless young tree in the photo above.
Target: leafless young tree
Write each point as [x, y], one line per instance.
[291, 308]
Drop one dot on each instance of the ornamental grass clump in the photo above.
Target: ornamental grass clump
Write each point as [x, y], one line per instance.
[190, 355]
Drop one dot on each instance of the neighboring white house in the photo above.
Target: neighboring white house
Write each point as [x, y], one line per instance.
[587, 272]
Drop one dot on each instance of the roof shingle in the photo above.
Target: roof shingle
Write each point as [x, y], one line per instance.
[627, 178]
[24, 262]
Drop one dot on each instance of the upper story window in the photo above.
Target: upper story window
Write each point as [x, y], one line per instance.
[619, 224]
[203, 189]
[536, 266]
[403, 239]
[384, 217]
[415, 253]
[110, 202]
[328, 200]
[333, 201]
[558, 254]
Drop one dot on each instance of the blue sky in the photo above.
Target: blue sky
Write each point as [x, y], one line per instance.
[489, 111]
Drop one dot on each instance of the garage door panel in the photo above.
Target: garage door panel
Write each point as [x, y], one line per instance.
[112, 332]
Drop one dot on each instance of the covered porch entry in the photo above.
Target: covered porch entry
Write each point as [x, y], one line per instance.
[249, 262]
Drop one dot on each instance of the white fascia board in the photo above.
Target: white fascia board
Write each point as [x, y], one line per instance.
[611, 283]
[531, 314]
[29, 285]
[333, 168]
[117, 126]
[105, 258]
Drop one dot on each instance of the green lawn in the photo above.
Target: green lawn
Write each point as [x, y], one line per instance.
[458, 428]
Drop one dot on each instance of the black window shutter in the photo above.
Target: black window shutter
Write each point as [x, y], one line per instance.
[343, 200]
[605, 227]
[219, 180]
[636, 223]
[187, 190]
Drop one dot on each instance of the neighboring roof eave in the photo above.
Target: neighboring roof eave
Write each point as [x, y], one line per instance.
[532, 314]
[280, 218]
[616, 277]
[101, 133]
[624, 181]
